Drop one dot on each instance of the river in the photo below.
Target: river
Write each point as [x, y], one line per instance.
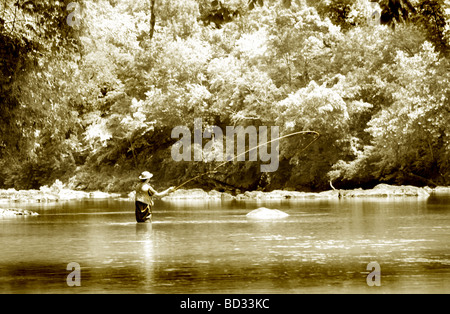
[324, 246]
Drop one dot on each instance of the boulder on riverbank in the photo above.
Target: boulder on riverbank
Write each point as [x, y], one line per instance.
[12, 212]
[385, 190]
[442, 189]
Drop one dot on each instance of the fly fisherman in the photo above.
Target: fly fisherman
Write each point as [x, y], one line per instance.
[144, 197]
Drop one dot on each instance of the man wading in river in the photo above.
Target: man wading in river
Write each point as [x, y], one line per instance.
[144, 200]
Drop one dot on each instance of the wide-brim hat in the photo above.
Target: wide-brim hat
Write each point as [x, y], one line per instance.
[145, 175]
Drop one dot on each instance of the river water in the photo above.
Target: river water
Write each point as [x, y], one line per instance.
[324, 246]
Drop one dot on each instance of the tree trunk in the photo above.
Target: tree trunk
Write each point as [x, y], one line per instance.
[133, 152]
[152, 18]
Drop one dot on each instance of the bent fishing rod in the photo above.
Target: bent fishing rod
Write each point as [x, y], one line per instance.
[249, 150]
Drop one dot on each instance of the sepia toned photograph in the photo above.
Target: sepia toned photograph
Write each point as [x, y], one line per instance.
[232, 148]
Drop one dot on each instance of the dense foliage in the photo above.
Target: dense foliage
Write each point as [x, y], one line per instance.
[90, 90]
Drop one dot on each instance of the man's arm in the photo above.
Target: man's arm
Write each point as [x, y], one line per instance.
[166, 192]
[153, 192]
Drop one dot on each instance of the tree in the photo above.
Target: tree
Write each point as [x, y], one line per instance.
[37, 45]
[395, 11]
[99, 98]
[431, 17]
[410, 137]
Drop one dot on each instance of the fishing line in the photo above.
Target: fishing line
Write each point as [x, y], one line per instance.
[253, 148]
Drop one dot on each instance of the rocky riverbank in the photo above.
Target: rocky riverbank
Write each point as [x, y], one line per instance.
[48, 195]
[381, 190]
[442, 189]
[63, 194]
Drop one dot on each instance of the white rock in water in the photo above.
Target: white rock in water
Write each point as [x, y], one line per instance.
[16, 212]
[266, 213]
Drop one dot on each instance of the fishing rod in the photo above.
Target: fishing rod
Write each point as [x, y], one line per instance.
[247, 151]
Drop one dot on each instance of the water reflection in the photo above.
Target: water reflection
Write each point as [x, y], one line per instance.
[323, 246]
